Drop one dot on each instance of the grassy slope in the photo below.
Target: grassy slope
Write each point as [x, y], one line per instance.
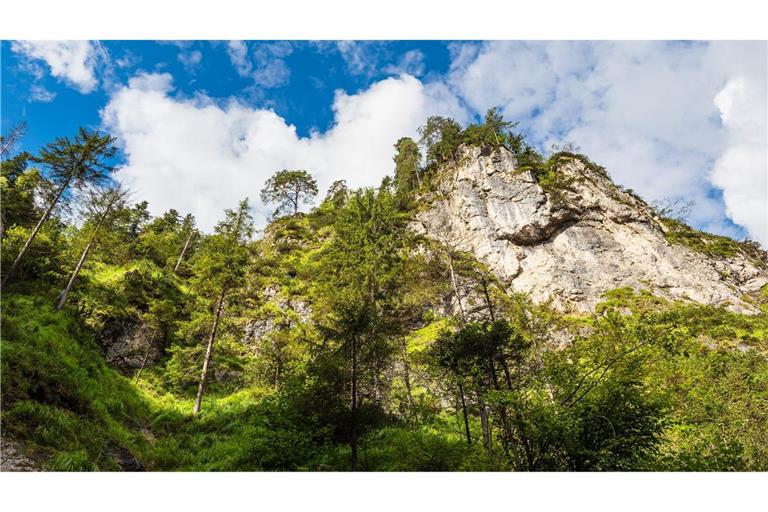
[73, 412]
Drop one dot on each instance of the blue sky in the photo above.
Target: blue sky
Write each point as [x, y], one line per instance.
[203, 123]
[303, 96]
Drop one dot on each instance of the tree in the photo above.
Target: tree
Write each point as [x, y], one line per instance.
[79, 162]
[440, 137]
[492, 132]
[338, 193]
[101, 206]
[8, 142]
[218, 270]
[288, 189]
[19, 185]
[407, 168]
[360, 275]
[189, 228]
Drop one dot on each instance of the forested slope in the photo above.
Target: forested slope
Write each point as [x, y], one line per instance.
[349, 338]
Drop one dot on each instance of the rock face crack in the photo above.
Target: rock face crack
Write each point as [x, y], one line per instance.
[595, 237]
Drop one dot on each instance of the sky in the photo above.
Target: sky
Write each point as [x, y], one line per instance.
[202, 124]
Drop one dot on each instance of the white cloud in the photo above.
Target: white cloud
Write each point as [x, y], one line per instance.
[359, 56]
[39, 93]
[742, 169]
[267, 68]
[238, 55]
[74, 62]
[411, 63]
[190, 59]
[646, 111]
[200, 157]
[128, 60]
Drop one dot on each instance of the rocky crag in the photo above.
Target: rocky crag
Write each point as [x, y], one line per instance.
[571, 236]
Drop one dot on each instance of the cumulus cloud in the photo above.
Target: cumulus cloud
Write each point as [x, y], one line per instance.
[74, 62]
[199, 156]
[742, 169]
[669, 120]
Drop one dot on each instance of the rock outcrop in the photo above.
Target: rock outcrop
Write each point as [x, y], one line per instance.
[571, 244]
[137, 345]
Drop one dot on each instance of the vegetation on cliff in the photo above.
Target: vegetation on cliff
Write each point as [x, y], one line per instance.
[342, 340]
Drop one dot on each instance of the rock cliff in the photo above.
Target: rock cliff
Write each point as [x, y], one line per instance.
[571, 240]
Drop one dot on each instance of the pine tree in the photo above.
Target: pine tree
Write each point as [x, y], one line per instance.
[218, 270]
[288, 189]
[79, 162]
[100, 210]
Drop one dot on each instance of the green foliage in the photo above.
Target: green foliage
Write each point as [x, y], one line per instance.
[288, 189]
[347, 297]
[407, 170]
[716, 246]
[440, 137]
[493, 132]
[58, 393]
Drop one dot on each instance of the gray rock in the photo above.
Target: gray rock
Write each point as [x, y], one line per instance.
[571, 249]
[12, 457]
[137, 342]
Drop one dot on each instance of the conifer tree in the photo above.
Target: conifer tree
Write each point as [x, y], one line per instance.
[100, 209]
[218, 270]
[288, 189]
[82, 161]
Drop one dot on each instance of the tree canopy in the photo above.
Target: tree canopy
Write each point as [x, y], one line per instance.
[288, 189]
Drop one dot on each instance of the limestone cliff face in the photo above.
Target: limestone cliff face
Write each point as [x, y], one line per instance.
[572, 244]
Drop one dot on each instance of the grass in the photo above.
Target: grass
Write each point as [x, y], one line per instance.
[58, 394]
[420, 339]
[715, 246]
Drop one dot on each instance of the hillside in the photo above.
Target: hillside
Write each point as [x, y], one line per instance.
[485, 308]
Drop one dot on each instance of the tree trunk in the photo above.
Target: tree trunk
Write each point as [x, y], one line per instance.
[353, 440]
[466, 416]
[488, 302]
[184, 250]
[485, 424]
[456, 290]
[209, 351]
[143, 364]
[502, 408]
[65, 292]
[407, 377]
[99, 223]
[32, 236]
[376, 382]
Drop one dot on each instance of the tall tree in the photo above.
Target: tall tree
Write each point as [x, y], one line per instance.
[338, 193]
[8, 142]
[219, 269]
[440, 137]
[407, 168]
[288, 189]
[19, 185]
[360, 272]
[101, 207]
[188, 227]
[81, 161]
